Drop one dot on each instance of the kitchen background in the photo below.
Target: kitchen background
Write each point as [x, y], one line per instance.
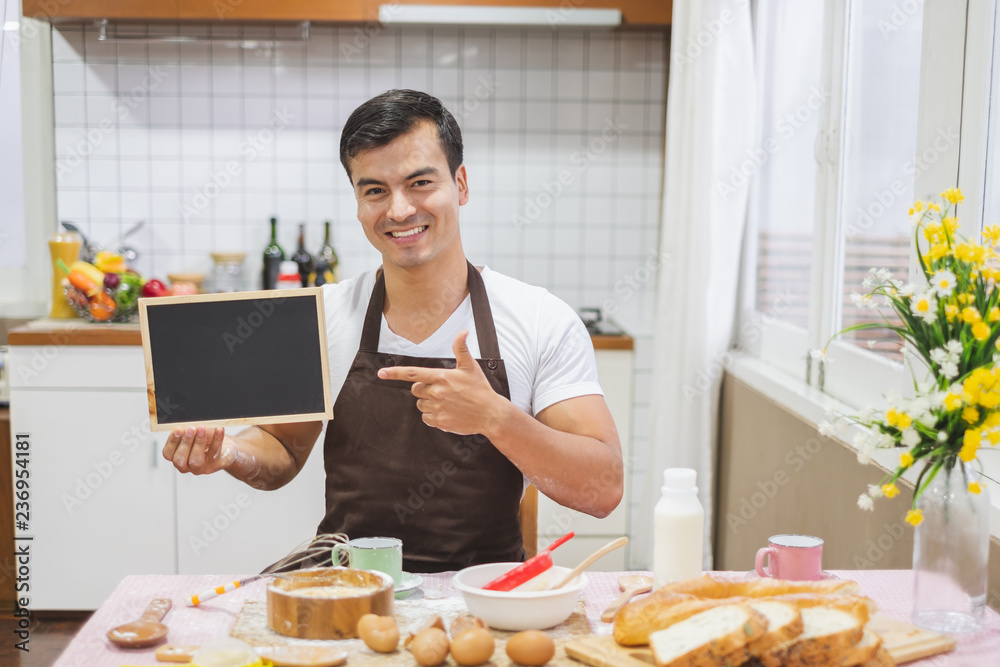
[205, 141]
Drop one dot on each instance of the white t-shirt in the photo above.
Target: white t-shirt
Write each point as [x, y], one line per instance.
[545, 347]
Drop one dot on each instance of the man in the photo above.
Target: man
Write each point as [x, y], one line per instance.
[435, 432]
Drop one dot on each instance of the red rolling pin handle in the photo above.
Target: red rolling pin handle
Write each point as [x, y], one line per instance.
[529, 569]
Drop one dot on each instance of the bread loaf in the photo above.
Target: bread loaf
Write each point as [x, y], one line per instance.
[706, 638]
[828, 634]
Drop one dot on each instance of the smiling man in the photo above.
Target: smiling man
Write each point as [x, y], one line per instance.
[455, 386]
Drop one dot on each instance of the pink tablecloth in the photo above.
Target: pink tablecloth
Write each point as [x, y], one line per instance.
[90, 648]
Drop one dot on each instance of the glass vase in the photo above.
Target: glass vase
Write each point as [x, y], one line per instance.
[950, 552]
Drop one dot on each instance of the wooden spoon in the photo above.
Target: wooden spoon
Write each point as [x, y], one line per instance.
[631, 584]
[590, 560]
[146, 631]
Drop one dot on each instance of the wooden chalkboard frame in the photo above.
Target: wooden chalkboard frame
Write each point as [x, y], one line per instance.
[153, 302]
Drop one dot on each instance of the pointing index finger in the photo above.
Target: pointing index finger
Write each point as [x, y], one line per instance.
[407, 373]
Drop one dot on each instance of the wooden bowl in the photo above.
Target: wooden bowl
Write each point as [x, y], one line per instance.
[326, 603]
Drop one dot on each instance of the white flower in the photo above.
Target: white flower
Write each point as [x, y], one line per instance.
[865, 455]
[862, 300]
[872, 344]
[909, 289]
[866, 414]
[875, 491]
[868, 283]
[830, 412]
[954, 348]
[910, 437]
[865, 502]
[826, 429]
[939, 355]
[949, 369]
[860, 440]
[943, 282]
[883, 274]
[819, 355]
[942, 436]
[924, 306]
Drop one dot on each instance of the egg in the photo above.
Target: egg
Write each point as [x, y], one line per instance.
[379, 633]
[472, 647]
[531, 647]
[430, 647]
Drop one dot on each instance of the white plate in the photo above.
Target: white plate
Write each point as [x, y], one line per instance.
[409, 582]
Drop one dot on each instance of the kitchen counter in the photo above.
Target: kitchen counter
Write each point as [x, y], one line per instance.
[78, 332]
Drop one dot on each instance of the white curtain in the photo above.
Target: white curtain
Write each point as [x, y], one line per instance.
[711, 101]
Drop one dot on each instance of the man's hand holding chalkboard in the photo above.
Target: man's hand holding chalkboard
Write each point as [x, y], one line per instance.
[200, 450]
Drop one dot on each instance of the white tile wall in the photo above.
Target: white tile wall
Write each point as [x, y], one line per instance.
[145, 131]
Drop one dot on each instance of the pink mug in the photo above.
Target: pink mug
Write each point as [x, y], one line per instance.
[797, 557]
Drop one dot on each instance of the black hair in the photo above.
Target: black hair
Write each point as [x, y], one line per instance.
[385, 117]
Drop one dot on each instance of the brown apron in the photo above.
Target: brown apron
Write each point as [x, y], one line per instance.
[452, 499]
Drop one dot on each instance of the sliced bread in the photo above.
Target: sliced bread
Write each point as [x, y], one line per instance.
[881, 659]
[861, 652]
[827, 634]
[784, 623]
[706, 638]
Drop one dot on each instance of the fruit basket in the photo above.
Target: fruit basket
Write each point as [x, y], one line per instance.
[101, 308]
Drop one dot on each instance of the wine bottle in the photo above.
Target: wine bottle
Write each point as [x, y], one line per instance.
[328, 255]
[273, 256]
[302, 257]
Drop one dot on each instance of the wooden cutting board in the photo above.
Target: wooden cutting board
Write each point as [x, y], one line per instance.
[904, 642]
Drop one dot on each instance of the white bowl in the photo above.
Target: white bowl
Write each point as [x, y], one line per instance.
[518, 609]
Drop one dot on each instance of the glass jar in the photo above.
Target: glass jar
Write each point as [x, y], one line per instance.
[951, 551]
[63, 246]
[227, 274]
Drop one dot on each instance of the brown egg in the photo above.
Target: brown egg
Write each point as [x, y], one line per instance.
[473, 647]
[531, 647]
[430, 647]
[379, 633]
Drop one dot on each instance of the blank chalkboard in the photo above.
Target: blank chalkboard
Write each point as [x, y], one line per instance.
[236, 358]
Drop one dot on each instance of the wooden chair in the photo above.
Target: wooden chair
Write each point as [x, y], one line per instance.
[528, 516]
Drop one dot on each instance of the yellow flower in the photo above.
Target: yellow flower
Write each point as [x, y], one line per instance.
[950, 311]
[992, 234]
[905, 460]
[952, 402]
[890, 490]
[932, 232]
[970, 414]
[994, 437]
[900, 420]
[964, 299]
[994, 314]
[914, 517]
[975, 488]
[965, 252]
[933, 207]
[918, 206]
[937, 251]
[980, 331]
[953, 195]
[970, 445]
[950, 224]
[970, 314]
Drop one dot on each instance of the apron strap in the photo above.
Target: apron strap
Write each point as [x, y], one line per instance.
[482, 314]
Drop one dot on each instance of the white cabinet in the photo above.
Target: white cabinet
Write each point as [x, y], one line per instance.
[614, 368]
[105, 504]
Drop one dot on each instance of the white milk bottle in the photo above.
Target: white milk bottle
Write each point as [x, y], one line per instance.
[678, 530]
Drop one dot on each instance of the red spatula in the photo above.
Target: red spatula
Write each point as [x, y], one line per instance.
[529, 569]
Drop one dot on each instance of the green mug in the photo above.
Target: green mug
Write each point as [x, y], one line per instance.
[384, 554]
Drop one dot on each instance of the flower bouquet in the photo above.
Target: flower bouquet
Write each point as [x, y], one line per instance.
[952, 323]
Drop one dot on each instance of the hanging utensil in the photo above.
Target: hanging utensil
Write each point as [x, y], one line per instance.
[588, 561]
[89, 250]
[128, 252]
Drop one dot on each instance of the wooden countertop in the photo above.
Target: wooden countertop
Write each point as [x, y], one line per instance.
[78, 332]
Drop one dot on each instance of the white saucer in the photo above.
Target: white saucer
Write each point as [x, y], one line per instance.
[409, 582]
[752, 574]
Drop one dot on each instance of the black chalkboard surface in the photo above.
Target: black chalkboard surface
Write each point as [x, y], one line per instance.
[236, 358]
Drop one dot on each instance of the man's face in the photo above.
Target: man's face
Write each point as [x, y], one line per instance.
[407, 200]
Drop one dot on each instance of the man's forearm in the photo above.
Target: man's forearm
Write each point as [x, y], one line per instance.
[578, 471]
